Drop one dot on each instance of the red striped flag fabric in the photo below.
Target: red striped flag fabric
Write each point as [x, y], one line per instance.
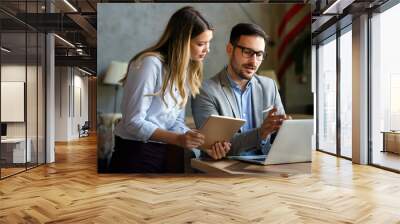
[292, 31]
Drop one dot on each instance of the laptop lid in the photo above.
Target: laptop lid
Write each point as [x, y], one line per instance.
[292, 143]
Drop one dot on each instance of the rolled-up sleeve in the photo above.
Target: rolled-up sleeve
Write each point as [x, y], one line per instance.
[179, 125]
[140, 82]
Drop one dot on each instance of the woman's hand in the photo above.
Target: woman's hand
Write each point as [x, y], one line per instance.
[219, 150]
[191, 139]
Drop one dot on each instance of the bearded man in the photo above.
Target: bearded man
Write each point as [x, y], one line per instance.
[237, 91]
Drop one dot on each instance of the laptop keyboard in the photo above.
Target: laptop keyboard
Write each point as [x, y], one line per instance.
[259, 159]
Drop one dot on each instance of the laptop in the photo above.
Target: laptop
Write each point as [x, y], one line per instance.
[292, 145]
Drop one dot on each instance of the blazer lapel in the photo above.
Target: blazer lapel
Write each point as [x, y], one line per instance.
[226, 88]
[257, 101]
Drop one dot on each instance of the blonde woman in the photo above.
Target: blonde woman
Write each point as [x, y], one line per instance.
[157, 86]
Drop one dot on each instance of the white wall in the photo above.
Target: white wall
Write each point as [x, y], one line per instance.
[62, 81]
[71, 94]
[81, 104]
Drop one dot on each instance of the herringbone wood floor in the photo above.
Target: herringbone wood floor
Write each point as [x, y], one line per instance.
[71, 191]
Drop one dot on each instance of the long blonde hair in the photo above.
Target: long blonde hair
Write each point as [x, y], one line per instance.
[173, 49]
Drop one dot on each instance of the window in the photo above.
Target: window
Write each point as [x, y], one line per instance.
[346, 93]
[22, 65]
[327, 96]
[385, 87]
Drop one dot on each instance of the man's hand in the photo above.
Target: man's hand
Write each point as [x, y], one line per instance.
[191, 139]
[218, 150]
[272, 123]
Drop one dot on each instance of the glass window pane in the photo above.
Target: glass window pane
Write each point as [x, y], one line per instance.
[346, 94]
[41, 98]
[385, 83]
[31, 97]
[14, 147]
[327, 97]
[23, 81]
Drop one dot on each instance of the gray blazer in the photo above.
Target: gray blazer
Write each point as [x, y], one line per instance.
[216, 97]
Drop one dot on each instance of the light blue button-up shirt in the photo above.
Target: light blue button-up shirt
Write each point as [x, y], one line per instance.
[244, 103]
[142, 113]
[245, 106]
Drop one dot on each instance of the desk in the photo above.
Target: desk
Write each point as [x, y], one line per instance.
[227, 166]
[13, 150]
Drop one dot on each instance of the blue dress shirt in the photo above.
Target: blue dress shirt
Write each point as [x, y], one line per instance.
[244, 103]
[245, 106]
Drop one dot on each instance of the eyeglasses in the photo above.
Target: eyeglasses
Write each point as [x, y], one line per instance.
[248, 53]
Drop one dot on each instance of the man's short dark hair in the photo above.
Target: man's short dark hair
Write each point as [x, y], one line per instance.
[247, 29]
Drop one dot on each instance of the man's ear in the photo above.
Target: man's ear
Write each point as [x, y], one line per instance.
[229, 49]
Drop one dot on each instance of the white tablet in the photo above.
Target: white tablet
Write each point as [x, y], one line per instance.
[219, 128]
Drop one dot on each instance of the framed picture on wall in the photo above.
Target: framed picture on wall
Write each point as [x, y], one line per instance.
[12, 101]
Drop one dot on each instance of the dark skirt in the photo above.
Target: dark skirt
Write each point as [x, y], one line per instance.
[137, 157]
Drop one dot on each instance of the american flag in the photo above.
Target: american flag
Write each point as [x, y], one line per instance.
[293, 37]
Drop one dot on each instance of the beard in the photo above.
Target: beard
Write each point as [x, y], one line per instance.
[238, 69]
[243, 76]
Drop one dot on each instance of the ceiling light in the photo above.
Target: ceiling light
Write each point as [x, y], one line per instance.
[337, 7]
[5, 49]
[65, 41]
[70, 5]
[331, 7]
[84, 71]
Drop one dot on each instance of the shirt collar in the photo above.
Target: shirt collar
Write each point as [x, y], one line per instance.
[234, 85]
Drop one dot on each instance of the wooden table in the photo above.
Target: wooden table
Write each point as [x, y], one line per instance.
[227, 166]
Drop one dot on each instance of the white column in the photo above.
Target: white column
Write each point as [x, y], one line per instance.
[50, 101]
[50, 92]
